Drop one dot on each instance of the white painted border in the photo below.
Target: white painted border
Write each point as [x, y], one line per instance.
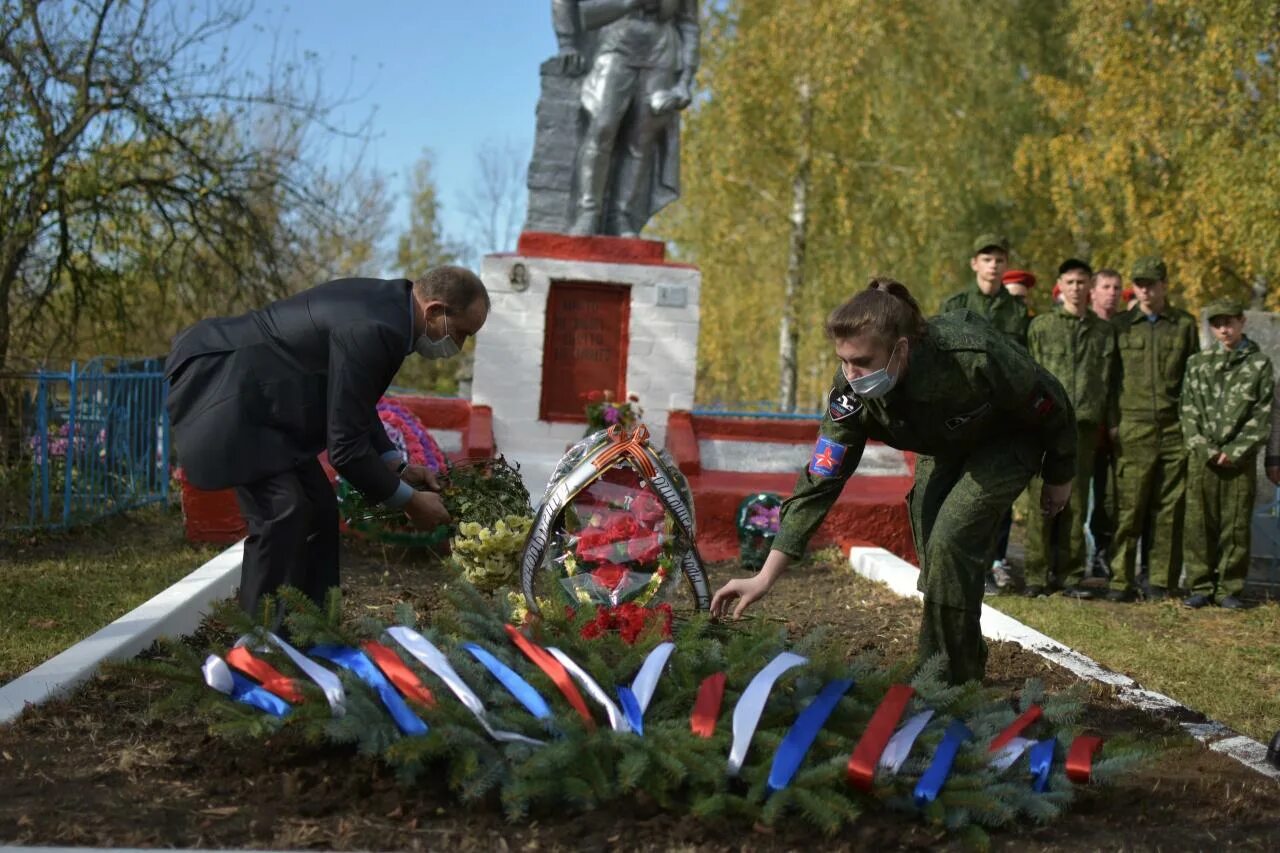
[877, 564]
[171, 613]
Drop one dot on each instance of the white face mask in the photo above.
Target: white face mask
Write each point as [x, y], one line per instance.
[878, 382]
[445, 347]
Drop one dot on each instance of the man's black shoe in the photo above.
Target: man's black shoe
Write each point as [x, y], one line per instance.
[1231, 603]
[1197, 601]
[1122, 595]
[1078, 592]
[1033, 591]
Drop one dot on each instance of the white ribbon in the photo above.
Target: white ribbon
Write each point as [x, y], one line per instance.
[746, 715]
[433, 659]
[617, 719]
[646, 680]
[217, 674]
[1012, 751]
[899, 746]
[328, 682]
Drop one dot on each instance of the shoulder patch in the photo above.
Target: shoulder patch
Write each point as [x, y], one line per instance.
[842, 405]
[827, 457]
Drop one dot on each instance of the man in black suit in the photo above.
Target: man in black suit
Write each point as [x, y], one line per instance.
[253, 399]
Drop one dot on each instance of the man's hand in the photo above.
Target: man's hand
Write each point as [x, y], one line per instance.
[747, 591]
[426, 511]
[572, 61]
[1222, 461]
[1054, 498]
[421, 477]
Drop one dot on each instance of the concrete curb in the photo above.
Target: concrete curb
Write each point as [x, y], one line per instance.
[900, 576]
[172, 612]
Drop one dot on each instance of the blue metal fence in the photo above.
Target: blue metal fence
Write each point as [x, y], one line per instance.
[96, 441]
[755, 409]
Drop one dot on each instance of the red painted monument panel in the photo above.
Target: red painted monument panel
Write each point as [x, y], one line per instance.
[585, 348]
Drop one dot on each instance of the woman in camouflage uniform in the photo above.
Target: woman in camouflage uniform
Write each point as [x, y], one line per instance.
[984, 418]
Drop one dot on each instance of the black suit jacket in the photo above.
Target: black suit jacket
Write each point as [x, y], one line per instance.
[255, 395]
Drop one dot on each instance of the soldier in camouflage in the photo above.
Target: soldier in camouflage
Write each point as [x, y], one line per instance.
[987, 296]
[1080, 351]
[1155, 340]
[984, 418]
[1226, 419]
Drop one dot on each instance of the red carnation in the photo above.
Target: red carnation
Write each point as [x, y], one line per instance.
[647, 508]
[621, 527]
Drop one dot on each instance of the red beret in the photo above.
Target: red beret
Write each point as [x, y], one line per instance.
[1019, 277]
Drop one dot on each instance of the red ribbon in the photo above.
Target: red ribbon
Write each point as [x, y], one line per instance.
[1015, 728]
[409, 685]
[866, 755]
[272, 679]
[1080, 758]
[546, 662]
[706, 708]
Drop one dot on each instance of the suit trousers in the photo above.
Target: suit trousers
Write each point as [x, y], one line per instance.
[293, 535]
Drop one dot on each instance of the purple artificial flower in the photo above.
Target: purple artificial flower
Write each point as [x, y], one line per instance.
[610, 415]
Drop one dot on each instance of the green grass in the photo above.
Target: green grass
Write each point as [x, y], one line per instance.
[1223, 663]
[58, 588]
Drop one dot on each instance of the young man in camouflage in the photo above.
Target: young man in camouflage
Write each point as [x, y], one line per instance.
[1080, 351]
[1226, 419]
[987, 296]
[1155, 341]
[1104, 298]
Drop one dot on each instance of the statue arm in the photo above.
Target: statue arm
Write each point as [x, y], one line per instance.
[687, 24]
[598, 13]
[563, 13]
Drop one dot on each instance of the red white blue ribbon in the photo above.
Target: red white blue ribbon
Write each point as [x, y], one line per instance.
[524, 692]
[635, 699]
[355, 660]
[899, 746]
[617, 719]
[426, 653]
[1080, 758]
[944, 756]
[220, 677]
[746, 714]
[324, 679]
[1041, 758]
[795, 744]
[1010, 753]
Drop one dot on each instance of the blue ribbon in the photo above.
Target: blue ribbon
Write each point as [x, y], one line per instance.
[357, 662]
[631, 707]
[524, 692]
[931, 782]
[244, 690]
[803, 732]
[1041, 757]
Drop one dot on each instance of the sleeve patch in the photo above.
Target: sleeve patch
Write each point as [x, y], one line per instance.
[827, 458]
[843, 406]
[1042, 404]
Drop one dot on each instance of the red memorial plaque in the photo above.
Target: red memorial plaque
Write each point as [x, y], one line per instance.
[585, 347]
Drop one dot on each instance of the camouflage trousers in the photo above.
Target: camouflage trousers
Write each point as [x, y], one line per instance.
[1151, 492]
[956, 507]
[1055, 546]
[1219, 516]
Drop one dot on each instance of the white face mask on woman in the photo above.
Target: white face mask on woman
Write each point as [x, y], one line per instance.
[444, 347]
[878, 382]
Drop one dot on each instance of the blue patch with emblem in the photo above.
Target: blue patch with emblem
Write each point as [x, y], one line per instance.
[827, 457]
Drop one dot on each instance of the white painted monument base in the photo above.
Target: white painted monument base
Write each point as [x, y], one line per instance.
[661, 350]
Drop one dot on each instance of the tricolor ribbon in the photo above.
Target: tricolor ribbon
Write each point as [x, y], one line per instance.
[943, 757]
[220, 677]
[635, 699]
[400, 675]
[425, 653]
[895, 754]
[524, 692]
[1080, 758]
[795, 744]
[356, 662]
[746, 714]
[271, 679]
[554, 670]
[1017, 727]
[1041, 757]
[326, 680]
[706, 708]
[861, 771]
[1010, 753]
[617, 720]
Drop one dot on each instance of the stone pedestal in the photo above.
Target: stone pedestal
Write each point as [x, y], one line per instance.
[573, 315]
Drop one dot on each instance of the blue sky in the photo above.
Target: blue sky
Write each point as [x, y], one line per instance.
[448, 76]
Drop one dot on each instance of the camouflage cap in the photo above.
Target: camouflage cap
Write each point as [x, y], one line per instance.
[1150, 268]
[1223, 308]
[989, 241]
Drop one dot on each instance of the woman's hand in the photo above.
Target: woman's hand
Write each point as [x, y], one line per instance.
[747, 591]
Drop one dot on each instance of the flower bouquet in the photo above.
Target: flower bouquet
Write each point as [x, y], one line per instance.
[604, 412]
[759, 517]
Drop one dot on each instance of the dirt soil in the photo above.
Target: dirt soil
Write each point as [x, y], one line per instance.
[93, 769]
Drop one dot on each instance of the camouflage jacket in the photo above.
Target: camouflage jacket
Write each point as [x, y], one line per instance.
[1153, 359]
[1226, 402]
[966, 385]
[1006, 313]
[1082, 353]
